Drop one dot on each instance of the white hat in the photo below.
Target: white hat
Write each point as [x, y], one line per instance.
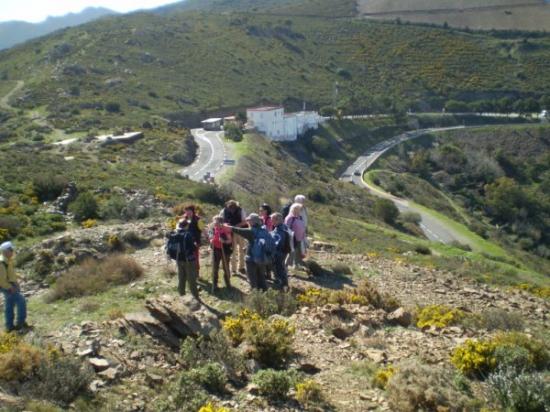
[6, 246]
[300, 199]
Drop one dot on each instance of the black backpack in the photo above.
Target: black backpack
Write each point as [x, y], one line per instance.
[286, 210]
[180, 246]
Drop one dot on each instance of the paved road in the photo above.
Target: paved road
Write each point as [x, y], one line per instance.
[434, 228]
[211, 157]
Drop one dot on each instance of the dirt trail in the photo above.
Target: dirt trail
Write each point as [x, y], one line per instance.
[5, 101]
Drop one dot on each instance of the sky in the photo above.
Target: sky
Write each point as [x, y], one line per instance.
[38, 10]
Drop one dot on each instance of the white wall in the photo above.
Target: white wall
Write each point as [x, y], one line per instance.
[275, 125]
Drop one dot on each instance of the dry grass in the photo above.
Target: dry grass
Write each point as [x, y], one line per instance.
[94, 276]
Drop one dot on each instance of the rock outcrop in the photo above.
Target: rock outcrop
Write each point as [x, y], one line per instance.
[170, 319]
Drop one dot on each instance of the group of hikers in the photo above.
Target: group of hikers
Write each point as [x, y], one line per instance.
[261, 245]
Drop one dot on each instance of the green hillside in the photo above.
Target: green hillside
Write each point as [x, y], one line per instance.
[183, 65]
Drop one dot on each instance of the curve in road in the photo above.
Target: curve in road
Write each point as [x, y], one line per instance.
[212, 155]
[434, 228]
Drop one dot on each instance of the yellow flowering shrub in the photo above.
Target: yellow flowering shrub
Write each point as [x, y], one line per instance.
[8, 341]
[89, 223]
[540, 291]
[18, 360]
[234, 326]
[365, 294]
[309, 393]
[475, 357]
[210, 407]
[314, 297]
[382, 376]
[439, 316]
[270, 339]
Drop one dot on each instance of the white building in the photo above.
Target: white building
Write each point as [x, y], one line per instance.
[275, 124]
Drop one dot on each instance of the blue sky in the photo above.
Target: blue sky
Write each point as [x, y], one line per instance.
[38, 10]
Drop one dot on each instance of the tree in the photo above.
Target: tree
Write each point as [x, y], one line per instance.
[233, 132]
[456, 106]
[504, 198]
[386, 210]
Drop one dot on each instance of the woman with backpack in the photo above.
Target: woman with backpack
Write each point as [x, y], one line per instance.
[182, 248]
[196, 227]
[220, 242]
[282, 238]
[259, 252]
[296, 225]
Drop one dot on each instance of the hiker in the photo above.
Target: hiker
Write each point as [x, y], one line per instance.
[259, 252]
[182, 248]
[296, 224]
[196, 227]
[301, 199]
[234, 215]
[265, 215]
[220, 241]
[282, 238]
[10, 288]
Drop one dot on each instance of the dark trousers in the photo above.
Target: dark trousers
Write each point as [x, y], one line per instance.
[256, 275]
[188, 273]
[223, 258]
[279, 267]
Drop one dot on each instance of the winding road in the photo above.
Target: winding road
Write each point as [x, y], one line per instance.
[434, 228]
[212, 156]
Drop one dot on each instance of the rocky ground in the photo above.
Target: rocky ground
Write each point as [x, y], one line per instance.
[134, 354]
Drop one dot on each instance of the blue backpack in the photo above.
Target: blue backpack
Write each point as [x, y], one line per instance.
[180, 246]
[263, 247]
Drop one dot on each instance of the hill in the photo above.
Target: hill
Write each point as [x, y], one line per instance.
[474, 14]
[184, 65]
[15, 32]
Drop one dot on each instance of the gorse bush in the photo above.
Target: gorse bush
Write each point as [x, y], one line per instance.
[512, 350]
[519, 392]
[94, 276]
[270, 339]
[210, 407]
[417, 387]
[439, 316]
[382, 376]
[309, 394]
[364, 294]
[19, 362]
[271, 302]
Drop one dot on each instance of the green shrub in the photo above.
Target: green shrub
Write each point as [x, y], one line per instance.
[233, 132]
[84, 207]
[411, 217]
[386, 210]
[46, 223]
[210, 376]
[500, 319]
[94, 276]
[183, 395]
[273, 384]
[112, 107]
[208, 194]
[48, 187]
[60, 380]
[272, 302]
[519, 392]
[196, 352]
[417, 387]
[113, 207]
[512, 357]
[422, 250]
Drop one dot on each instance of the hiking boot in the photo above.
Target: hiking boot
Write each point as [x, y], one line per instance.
[23, 326]
[215, 289]
[242, 270]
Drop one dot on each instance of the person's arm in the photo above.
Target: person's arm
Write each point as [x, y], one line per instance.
[244, 232]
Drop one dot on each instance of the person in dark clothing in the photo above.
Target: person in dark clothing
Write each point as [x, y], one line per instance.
[186, 259]
[196, 227]
[265, 215]
[281, 235]
[234, 215]
[220, 241]
[254, 271]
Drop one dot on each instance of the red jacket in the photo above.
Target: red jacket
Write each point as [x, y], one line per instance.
[218, 232]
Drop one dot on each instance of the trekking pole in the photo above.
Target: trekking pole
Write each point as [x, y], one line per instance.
[225, 268]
